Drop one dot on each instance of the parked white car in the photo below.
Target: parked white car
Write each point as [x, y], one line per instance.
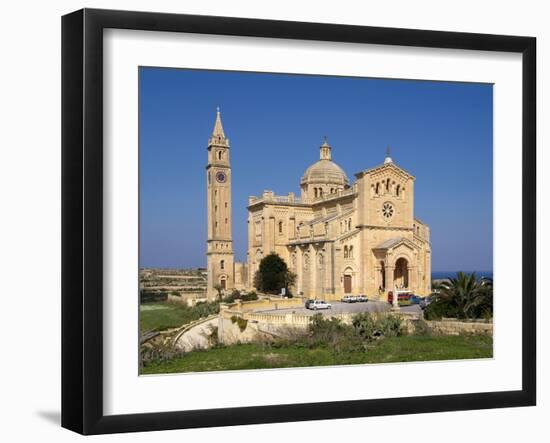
[348, 299]
[319, 304]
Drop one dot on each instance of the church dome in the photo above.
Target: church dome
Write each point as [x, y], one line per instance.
[325, 171]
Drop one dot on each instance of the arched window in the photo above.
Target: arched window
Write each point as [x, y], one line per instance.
[222, 264]
[225, 221]
[350, 252]
[388, 184]
[215, 208]
[346, 251]
[349, 224]
[220, 154]
[280, 227]
[320, 192]
[377, 189]
[315, 192]
[397, 190]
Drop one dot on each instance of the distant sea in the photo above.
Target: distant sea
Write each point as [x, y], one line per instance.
[446, 274]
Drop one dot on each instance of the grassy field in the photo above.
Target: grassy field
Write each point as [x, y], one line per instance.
[161, 316]
[393, 349]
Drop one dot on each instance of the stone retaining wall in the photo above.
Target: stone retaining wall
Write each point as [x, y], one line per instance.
[456, 327]
[260, 325]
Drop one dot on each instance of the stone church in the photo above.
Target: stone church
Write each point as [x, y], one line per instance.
[337, 237]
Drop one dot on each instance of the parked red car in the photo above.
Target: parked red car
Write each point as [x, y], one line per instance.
[403, 297]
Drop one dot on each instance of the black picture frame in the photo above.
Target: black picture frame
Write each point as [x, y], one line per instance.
[82, 218]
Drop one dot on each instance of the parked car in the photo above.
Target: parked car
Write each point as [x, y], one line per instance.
[425, 302]
[362, 298]
[307, 303]
[404, 297]
[348, 299]
[319, 304]
[415, 299]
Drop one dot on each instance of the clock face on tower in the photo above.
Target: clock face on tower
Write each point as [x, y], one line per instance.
[221, 177]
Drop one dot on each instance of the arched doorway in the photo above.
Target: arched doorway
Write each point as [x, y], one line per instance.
[223, 282]
[401, 274]
[348, 280]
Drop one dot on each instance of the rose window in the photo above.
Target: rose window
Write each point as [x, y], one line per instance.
[387, 210]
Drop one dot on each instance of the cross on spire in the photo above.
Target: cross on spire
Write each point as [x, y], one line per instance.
[388, 157]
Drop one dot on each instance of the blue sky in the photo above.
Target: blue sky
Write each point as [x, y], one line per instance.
[440, 132]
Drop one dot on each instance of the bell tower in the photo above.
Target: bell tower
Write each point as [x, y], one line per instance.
[219, 248]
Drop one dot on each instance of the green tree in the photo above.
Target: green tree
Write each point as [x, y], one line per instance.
[218, 288]
[273, 274]
[465, 296]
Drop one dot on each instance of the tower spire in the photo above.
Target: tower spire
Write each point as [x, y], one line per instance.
[218, 128]
[388, 158]
[218, 136]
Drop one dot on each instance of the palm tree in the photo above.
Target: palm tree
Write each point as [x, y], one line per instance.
[472, 297]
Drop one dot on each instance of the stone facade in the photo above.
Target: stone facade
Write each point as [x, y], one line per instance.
[344, 238]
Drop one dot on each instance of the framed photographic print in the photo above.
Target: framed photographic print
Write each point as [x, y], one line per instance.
[269, 221]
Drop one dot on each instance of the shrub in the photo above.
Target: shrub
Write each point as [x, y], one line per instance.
[146, 296]
[441, 308]
[204, 309]
[390, 325]
[341, 338]
[241, 322]
[370, 326]
[365, 325]
[228, 299]
[251, 296]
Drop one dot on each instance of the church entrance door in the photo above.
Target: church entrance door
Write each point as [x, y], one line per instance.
[347, 284]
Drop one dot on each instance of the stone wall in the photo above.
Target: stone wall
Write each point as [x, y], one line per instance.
[266, 325]
[456, 327]
[265, 304]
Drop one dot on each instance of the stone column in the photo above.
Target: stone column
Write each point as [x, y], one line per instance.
[377, 279]
[299, 269]
[390, 286]
[413, 278]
